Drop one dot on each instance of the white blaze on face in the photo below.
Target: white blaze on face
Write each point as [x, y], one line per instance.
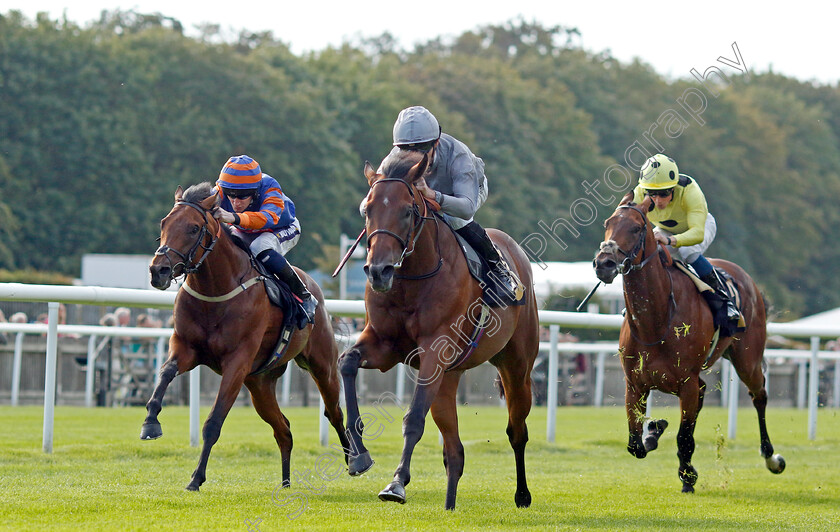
[385, 202]
[609, 247]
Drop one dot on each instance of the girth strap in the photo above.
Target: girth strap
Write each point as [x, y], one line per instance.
[474, 339]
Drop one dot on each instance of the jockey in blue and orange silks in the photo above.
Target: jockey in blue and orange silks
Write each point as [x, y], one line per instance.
[264, 218]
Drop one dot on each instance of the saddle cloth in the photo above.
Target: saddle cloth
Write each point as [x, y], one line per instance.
[480, 271]
[727, 327]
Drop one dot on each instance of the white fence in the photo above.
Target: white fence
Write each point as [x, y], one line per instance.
[156, 299]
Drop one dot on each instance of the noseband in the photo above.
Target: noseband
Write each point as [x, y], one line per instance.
[418, 221]
[188, 259]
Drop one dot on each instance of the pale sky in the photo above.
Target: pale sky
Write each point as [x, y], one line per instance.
[674, 37]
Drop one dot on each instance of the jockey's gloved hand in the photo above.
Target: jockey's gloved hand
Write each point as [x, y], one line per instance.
[223, 215]
[665, 240]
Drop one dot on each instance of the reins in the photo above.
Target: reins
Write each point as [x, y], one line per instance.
[188, 260]
[419, 221]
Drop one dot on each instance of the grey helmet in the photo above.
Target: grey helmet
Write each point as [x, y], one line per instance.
[415, 125]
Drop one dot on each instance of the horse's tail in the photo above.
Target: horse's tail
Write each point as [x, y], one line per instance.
[770, 312]
[498, 383]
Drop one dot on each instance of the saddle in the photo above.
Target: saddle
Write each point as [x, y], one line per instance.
[279, 294]
[715, 301]
[493, 295]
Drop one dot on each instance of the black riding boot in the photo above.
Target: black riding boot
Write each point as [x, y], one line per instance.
[476, 236]
[713, 280]
[280, 267]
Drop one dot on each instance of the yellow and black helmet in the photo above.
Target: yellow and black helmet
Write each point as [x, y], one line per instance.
[658, 173]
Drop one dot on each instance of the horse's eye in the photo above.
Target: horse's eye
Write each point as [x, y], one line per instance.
[636, 230]
[194, 229]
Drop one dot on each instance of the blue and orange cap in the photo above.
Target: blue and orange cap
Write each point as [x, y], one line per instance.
[240, 172]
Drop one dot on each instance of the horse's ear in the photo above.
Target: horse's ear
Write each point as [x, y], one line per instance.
[370, 173]
[179, 193]
[648, 204]
[627, 198]
[417, 171]
[211, 202]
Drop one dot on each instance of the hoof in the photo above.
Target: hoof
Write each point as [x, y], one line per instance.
[192, 487]
[688, 476]
[655, 429]
[522, 499]
[394, 492]
[360, 464]
[150, 431]
[776, 463]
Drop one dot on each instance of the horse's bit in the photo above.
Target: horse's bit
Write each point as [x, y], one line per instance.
[187, 261]
[419, 221]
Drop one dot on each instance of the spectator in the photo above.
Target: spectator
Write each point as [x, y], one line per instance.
[123, 316]
[3, 338]
[108, 320]
[19, 317]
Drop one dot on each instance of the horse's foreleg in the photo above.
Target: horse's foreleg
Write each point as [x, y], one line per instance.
[429, 379]
[232, 380]
[151, 426]
[265, 403]
[358, 457]
[689, 406]
[635, 403]
[445, 414]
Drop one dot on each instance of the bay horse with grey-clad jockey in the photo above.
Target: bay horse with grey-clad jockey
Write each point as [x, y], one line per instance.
[225, 321]
[668, 333]
[423, 310]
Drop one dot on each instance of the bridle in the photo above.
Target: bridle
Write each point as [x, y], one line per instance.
[188, 260]
[408, 243]
[627, 266]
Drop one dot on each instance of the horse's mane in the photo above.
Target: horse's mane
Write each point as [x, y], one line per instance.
[198, 193]
[397, 164]
[202, 191]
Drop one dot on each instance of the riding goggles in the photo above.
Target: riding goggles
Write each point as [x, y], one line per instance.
[663, 193]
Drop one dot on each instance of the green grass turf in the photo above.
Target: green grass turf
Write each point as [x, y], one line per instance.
[102, 477]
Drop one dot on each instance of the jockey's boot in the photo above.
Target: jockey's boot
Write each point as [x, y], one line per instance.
[280, 267]
[714, 281]
[500, 273]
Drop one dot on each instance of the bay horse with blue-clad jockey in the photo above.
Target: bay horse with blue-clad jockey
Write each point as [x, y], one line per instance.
[423, 310]
[668, 335]
[225, 321]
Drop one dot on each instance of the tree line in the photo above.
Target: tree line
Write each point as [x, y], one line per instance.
[99, 124]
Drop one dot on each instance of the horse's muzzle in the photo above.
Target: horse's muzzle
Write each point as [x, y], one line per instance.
[161, 276]
[606, 268]
[380, 276]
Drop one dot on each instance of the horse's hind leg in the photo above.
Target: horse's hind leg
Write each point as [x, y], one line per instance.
[265, 403]
[445, 414]
[169, 370]
[690, 394]
[516, 380]
[232, 380]
[754, 380]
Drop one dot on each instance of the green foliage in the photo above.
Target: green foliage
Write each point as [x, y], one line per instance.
[99, 124]
[30, 276]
